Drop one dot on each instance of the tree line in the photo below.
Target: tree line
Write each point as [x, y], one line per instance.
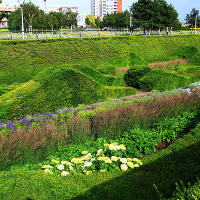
[37, 19]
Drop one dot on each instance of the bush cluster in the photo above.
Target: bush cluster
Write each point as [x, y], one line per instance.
[185, 52]
[50, 90]
[147, 79]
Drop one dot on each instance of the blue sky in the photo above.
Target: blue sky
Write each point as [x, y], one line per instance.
[182, 6]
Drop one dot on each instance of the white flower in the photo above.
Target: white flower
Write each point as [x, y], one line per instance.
[89, 172]
[122, 147]
[61, 167]
[100, 151]
[71, 168]
[130, 164]
[87, 164]
[112, 147]
[124, 167]
[93, 159]
[114, 158]
[89, 155]
[123, 160]
[136, 165]
[64, 173]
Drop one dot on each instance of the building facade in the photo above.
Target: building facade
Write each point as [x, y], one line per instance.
[99, 8]
[6, 9]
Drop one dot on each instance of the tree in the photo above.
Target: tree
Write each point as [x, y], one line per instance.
[52, 21]
[90, 21]
[71, 18]
[190, 18]
[157, 14]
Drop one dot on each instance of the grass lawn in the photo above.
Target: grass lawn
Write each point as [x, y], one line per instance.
[180, 161]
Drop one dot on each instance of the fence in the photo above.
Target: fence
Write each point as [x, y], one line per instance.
[7, 35]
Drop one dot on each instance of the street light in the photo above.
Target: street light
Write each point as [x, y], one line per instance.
[131, 24]
[21, 3]
[196, 23]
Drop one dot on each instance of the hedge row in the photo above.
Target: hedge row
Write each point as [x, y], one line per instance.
[117, 91]
[51, 89]
[147, 79]
[22, 60]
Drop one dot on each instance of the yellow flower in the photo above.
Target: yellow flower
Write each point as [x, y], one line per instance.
[47, 167]
[88, 172]
[64, 173]
[115, 143]
[129, 159]
[102, 171]
[136, 165]
[84, 152]
[130, 164]
[55, 161]
[114, 158]
[106, 145]
[136, 160]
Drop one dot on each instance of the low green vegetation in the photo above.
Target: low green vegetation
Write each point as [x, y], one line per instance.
[33, 56]
[155, 176]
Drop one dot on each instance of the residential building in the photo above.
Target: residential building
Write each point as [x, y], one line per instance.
[99, 8]
[6, 9]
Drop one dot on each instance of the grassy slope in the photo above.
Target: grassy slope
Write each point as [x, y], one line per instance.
[21, 60]
[180, 161]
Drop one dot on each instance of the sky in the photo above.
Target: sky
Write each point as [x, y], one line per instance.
[183, 7]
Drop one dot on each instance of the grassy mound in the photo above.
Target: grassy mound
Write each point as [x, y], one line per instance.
[94, 74]
[51, 89]
[162, 81]
[22, 60]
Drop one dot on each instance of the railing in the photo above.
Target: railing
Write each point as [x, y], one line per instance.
[9, 35]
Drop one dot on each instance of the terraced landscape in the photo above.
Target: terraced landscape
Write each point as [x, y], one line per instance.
[100, 118]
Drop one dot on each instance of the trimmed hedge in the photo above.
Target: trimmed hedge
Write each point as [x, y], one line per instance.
[196, 59]
[185, 52]
[133, 75]
[51, 89]
[162, 81]
[94, 74]
[22, 60]
[117, 92]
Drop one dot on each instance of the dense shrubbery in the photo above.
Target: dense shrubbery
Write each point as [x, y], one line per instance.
[51, 89]
[148, 79]
[34, 55]
[100, 78]
[133, 75]
[116, 92]
[185, 52]
[196, 59]
[162, 81]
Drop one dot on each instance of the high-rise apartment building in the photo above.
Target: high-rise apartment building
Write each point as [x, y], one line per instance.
[99, 8]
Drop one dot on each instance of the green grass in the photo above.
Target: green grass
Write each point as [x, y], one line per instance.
[22, 60]
[180, 161]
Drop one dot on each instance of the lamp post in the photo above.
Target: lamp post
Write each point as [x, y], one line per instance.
[21, 3]
[196, 23]
[131, 21]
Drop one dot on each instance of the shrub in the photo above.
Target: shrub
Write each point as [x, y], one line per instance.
[116, 92]
[162, 81]
[50, 90]
[196, 59]
[107, 69]
[135, 60]
[133, 75]
[95, 75]
[185, 52]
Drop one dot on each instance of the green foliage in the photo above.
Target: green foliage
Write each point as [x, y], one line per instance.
[191, 18]
[95, 75]
[196, 59]
[185, 52]
[117, 92]
[33, 56]
[162, 81]
[107, 69]
[136, 60]
[51, 89]
[133, 75]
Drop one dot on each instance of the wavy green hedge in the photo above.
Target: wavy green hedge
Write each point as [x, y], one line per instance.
[51, 89]
[22, 60]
